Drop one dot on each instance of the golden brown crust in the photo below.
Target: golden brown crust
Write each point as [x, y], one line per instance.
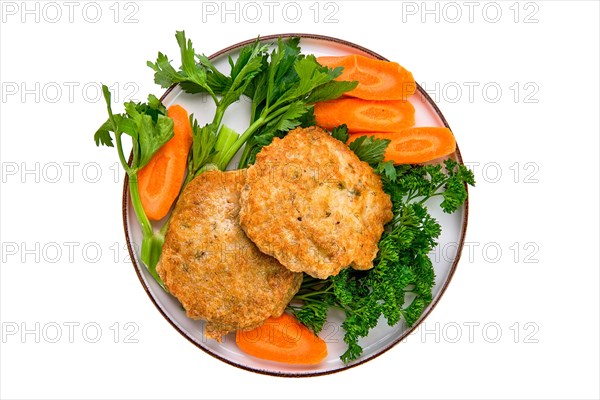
[312, 204]
[212, 267]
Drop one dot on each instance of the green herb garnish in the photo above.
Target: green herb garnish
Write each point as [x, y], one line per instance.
[149, 129]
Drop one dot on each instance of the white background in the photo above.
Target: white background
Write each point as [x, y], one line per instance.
[540, 291]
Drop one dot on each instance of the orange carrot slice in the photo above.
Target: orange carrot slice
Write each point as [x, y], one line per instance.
[377, 79]
[415, 145]
[160, 180]
[365, 115]
[283, 339]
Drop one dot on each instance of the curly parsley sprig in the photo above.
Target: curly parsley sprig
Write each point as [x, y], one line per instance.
[399, 287]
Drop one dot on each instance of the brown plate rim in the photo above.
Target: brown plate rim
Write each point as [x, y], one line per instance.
[345, 367]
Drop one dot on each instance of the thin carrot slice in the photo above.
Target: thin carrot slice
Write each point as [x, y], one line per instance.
[365, 115]
[377, 79]
[415, 145]
[283, 339]
[160, 180]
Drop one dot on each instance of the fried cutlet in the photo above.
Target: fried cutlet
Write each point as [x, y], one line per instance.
[313, 205]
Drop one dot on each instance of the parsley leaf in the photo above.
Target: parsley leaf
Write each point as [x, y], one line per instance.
[102, 135]
[152, 130]
[248, 64]
[370, 149]
[193, 77]
[340, 133]
[203, 142]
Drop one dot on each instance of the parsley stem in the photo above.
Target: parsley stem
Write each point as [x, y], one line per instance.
[230, 152]
[136, 201]
[214, 97]
[266, 116]
[270, 115]
[424, 199]
[152, 242]
[252, 112]
[245, 155]
[438, 187]
[163, 229]
[308, 295]
[121, 154]
[219, 114]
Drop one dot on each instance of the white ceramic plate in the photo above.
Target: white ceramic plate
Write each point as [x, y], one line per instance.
[382, 337]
